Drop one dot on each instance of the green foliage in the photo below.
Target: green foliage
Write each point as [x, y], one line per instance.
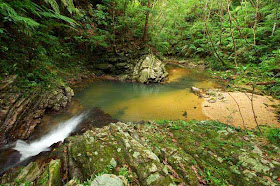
[124, 172]
[162, 122]
[38, 37]
[32, 44]
[202, 28]
[274, 136]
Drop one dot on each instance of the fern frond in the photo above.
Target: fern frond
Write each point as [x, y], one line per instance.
[12, 16]
[61, 17]
[54, 5]
[69, 5]
[27, 7]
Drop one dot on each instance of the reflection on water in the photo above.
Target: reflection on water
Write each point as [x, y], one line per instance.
[175, 74]
[136, 102]
[124, 101]
[166, 105]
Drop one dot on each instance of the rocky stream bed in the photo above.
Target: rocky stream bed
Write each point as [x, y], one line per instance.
[156, 153]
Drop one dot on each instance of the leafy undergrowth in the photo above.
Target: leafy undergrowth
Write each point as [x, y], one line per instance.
[46, 75]
[267, 71]
[272, 134]
[165, 153]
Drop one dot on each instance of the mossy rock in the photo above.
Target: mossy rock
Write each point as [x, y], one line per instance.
[176, 152]
[34, 174]
[170, 153]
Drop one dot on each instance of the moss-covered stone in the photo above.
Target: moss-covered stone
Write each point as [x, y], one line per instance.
[54, 172]
[170, 153]
[34, 174]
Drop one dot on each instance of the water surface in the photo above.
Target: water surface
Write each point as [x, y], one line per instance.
[135, 102]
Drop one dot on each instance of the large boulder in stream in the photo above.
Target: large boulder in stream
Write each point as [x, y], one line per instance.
[150, 70]
[162, 153]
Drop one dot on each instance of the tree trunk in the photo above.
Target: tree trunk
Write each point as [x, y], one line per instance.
[276, 18]
[114, 27]
[146, 22]
[124, 26]
[231, 32]
[209, 37]
[221, 20]
[256, 21]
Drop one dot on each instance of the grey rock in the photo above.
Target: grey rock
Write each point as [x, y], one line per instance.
[195, 90]
[107, 180]
[150, 70]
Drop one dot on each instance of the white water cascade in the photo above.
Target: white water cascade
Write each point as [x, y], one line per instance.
[62, 131]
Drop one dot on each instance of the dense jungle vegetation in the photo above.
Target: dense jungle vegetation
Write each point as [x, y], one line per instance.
[41, 41]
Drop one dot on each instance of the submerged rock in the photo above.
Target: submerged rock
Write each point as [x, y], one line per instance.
[150, 70]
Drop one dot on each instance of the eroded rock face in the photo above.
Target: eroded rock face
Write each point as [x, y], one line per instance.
[150, 70]
[20, 112]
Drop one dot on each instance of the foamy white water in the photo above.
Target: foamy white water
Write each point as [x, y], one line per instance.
[63, 130]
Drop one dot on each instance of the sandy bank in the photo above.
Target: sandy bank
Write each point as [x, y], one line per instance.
[226, 109]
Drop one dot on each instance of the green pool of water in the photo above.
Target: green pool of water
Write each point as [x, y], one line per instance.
[135, 102]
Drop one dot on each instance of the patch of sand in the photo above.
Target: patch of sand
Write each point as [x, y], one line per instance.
[226, 110]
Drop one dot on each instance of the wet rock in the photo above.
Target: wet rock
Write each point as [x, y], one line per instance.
[150, 70]
[7, 81]
[153, 178]
[214, 95]
[25, 175]
[124, 66]
[73, 183]
[196, 90]
[95, 118]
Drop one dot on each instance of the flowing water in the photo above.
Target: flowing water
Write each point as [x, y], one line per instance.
[24, 151]
[123, 101]
[63, 130]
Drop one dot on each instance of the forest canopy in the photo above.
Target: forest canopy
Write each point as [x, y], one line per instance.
[40, 40]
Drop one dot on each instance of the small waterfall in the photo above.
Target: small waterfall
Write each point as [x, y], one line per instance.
[63, 130]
